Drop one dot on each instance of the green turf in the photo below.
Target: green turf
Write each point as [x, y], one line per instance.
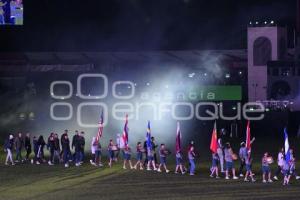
[26, 181]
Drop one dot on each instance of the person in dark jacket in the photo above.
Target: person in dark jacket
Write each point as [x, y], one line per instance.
[74, 144]
[36, 151]
[79, 148]
[82, 144]
[56, 148]
[41, 144]
[27, 146]
[19, 143]
[61, 141]
[50, 147]
[65, 145]
[8, 147]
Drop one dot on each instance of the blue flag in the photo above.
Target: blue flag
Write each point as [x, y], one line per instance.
[286, 146]
[148, 137]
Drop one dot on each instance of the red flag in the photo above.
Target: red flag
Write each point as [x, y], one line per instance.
[125, 131]
[214, 140]
[248, 137]
[100, 129]
[178, 138]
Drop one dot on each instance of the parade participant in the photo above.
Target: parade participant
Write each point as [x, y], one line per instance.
[221, 154]
[96, 152]
[8, 147]
[36, 159]
[266, 161]
[139, 156]
[179, 163]
[19, 143]
[151, 162]
[111, 151]
[280, 163]
[248, 163]
[41, 144]
[214, 169]
[120, 146]
[50, 147]
[191, 156]
[27, 146]
[127, 157]
[286, 172]
[56, 149]
[74, 144]
[242, 155]
[292, 164]
[65, 145]
[154, 146]
[163, 153]
[229, 156]
[146, 153]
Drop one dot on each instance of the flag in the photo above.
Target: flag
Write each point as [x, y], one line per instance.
[214, 140]
[100, 129]
[248, 137]
[148, 137]
[286, 146]
[178, 138]
[125, 132]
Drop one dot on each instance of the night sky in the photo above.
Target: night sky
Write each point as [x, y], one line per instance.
[133, 25]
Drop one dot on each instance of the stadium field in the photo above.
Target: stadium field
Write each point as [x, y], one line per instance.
[26, 181]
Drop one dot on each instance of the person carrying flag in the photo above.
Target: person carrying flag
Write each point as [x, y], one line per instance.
[179, 160]
[150, 151]
[214, 150]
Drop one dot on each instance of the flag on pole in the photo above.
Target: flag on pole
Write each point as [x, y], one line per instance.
[248, 137]
[100, 129]
[125, 131]
[286, 146]
[214, 139]
[178, 138]
[148, 137]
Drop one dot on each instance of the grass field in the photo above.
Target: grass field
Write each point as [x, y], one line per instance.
[45, 182]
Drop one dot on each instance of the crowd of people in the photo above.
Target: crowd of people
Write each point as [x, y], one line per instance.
[61, 150]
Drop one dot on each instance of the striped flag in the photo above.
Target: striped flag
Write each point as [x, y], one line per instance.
[100, 129]
[214, 139]
[286, 146]
[178, 138]
[248, 137]
[125, 131]
[148, 137]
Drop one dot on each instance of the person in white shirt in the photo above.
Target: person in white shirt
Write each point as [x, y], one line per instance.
[280, 163]
[221, 154]
[120, 145]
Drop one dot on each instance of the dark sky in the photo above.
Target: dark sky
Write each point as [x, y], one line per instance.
[130, 25]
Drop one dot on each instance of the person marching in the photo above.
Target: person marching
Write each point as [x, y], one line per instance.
[280, 163]
[111, 148]
[179, 160]
[150, 151]
[243, 156]
[191, 156]
[163, 153]
[229, 155]
[139, 156]
[248, 163]
[8, 147]
[27, 146]
[214, 149]
[65, 145]
[266, 161]
[56, 149]
[96, 152]
[50, 147]
[19, 143]
[41, 144]
[127, 157]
